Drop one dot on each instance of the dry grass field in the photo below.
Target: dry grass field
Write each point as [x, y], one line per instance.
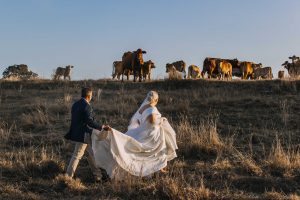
[237, 139]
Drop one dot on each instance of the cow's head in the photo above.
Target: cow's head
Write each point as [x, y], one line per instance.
[286, 65]
[235, 62]
[294, 58]
[151, 64]
[259, 65]
[69, 66]
[256, 66]
[169, 67]
[139, 56]
[148, 66]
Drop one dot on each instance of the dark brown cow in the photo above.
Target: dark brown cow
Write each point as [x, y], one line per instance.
[146, 69]
[179, 65]
[132, 63]
[225, 69]
[210, 66]
[236, 69]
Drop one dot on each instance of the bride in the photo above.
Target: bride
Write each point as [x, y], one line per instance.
[145, 148]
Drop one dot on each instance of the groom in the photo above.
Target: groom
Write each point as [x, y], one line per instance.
[82, 125]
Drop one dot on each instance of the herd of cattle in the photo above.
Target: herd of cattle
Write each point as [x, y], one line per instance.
[132, 63]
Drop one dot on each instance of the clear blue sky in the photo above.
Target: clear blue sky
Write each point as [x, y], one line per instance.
[90, 35]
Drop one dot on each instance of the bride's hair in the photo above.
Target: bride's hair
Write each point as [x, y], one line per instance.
[152, 95]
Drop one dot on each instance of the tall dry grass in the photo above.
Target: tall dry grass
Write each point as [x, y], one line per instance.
[194, 140]
[284, 158]
[284, 111]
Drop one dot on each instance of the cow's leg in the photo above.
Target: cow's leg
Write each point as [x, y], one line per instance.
[134, 75]
[140, 76]
[243, 76]
[128, 74]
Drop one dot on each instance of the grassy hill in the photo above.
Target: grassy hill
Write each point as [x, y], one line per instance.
[237, 139]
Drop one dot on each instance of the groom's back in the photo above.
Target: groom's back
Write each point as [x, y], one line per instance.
[78, 125]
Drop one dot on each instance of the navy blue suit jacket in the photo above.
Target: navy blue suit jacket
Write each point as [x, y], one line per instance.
[82, 121]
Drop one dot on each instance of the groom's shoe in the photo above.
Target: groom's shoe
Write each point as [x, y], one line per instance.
[105, 178]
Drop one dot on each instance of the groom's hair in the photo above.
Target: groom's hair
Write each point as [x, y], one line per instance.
[86, 91]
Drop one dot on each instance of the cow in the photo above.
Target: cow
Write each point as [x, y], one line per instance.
[246, 69]
[280, 74]
[293, 69]
[117, 69]
[210, 66]
[236, 70]
[174, 74]
[146, 69]
[132, 62]
[179, 65]
[194, 72]
[262, 73]
[225, 69]
[63, 71]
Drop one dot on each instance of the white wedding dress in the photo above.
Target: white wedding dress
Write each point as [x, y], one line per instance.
[144, 149]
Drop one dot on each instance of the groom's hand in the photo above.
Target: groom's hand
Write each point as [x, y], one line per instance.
[106, 127]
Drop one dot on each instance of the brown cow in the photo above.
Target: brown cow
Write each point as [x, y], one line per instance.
[179, 65]
[262, 73]
[280, 74]
[132, 63]
[210, 66]
[146, 69]
[117, 69]
[194, 72]
[246, 69]
[225, 69]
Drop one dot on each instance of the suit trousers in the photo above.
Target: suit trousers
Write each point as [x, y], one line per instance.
[77, 155]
